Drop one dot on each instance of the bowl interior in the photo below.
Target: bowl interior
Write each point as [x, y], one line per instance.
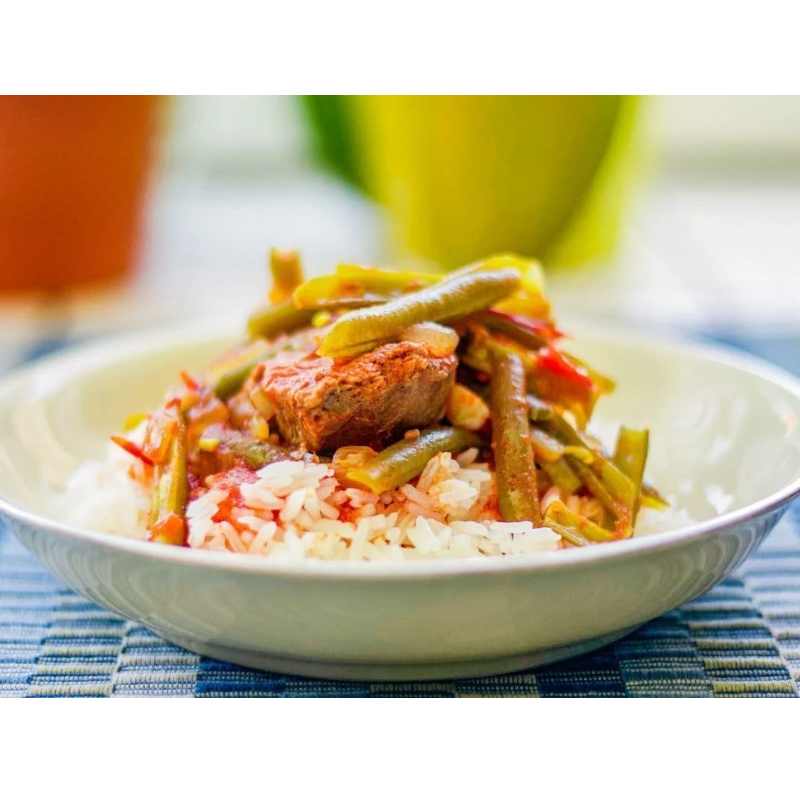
[724, 429]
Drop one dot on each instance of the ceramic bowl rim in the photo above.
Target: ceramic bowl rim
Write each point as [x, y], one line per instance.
[94, 354]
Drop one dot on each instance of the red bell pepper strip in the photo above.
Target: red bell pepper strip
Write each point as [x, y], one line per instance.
[552, 360]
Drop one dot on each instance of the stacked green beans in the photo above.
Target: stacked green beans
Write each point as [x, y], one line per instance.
[540, 398]
[573, 463]
[171, 493]
[370, 306]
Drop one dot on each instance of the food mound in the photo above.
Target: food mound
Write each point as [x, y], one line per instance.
[376, 414]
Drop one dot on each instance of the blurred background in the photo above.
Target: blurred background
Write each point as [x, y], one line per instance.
[667, 212]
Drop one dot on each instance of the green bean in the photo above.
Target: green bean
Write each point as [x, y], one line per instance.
[514, 328]
[232, 381]
[619, 485]
[406, 459]
[652, 499]
[545, 447]
[557, 424]
[630, 456]
[562, 476]
[355, 286]
[620, 511]
[515, 471]
[343, 303]
[386, 281]
[228, 383]
[583, 454]
[605, 481]
[539, 410]
[330, 291]
[572, 535]
[476, 359]
[558, 513]
[254, 453]
[269, 322]
[530, 271]
[287, 274]
[615, 482]
[596, 487]
[172, 488]
[362, 330]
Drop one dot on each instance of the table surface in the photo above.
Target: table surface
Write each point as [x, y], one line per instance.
[715, 256]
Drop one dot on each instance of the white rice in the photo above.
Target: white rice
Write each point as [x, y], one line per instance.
[107, 496]
[297, 510]
[651, 520]
[286, 514]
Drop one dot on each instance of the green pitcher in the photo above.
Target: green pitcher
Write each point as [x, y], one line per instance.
[461, 176]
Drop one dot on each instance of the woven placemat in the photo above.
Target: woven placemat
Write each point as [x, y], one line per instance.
[742, 638]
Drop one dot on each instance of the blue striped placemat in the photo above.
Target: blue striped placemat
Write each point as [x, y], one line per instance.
[740, 639]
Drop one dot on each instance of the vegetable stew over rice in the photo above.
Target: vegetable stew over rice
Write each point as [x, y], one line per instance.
[376, 414]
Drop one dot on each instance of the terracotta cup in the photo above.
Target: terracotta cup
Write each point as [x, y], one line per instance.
[73, 178]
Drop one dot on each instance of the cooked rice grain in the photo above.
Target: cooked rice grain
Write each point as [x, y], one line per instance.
[298, 510]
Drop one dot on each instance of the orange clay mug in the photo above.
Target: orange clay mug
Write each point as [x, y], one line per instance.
[73, 176]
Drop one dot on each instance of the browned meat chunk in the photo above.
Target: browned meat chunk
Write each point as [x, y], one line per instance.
[322, 404]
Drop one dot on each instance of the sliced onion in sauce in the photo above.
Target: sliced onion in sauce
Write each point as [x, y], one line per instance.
[439, 339]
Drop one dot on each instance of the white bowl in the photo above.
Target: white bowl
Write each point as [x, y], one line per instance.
[725, 442]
